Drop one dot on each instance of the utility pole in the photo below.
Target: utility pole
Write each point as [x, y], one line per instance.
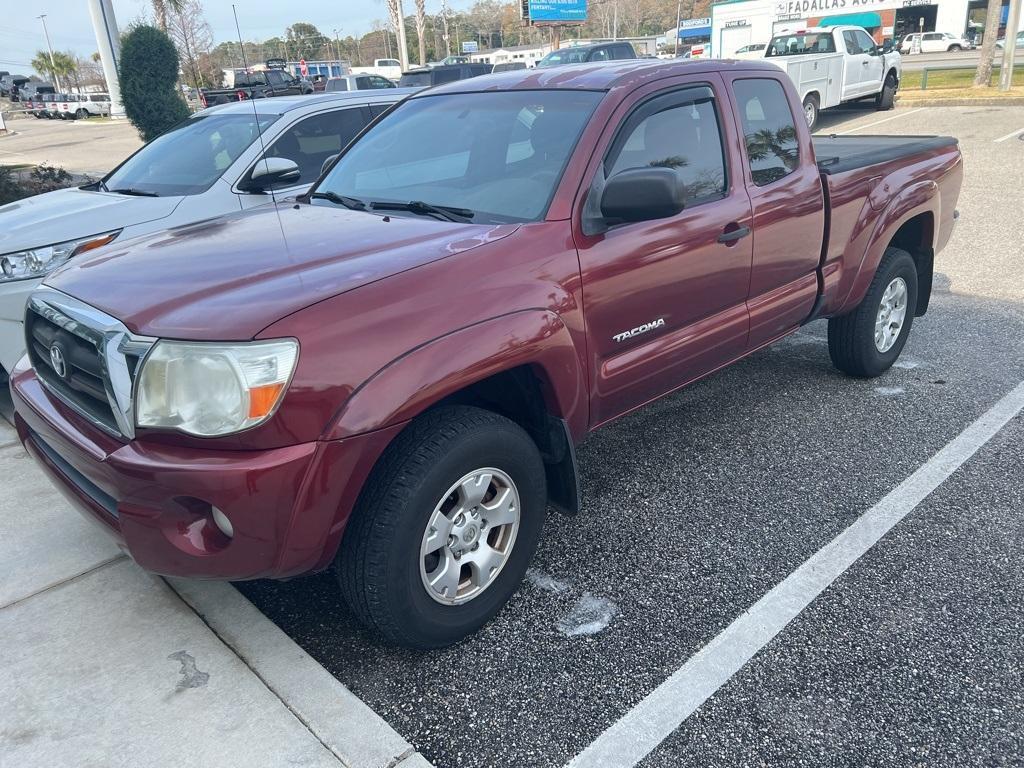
[337, 42]
[615, 22]
[53, 65]
[403, 48]
[679, 20]
[1009, 46]
[108, 40]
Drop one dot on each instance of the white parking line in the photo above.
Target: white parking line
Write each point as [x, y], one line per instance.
[1010, 135]
[878, 122]
[627, 741]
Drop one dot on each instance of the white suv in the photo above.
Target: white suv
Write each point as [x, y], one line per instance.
[935, 42]
[92, 104]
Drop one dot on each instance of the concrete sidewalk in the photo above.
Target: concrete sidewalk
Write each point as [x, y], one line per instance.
[104, 664]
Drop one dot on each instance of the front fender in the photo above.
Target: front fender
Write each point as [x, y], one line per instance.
[911, 201]
[427, 374]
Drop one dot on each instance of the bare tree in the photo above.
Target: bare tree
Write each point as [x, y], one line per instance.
[983, 75]
[192, 37]
[160, 9]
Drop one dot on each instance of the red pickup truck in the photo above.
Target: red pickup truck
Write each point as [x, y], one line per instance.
[390, 374]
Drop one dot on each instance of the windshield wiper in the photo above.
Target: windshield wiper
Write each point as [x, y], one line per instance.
[446, 212]
[349, 202]
[133, 192]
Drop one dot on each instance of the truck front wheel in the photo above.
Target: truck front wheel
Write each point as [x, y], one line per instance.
[886, 98]
[866, 342]
[811, 107]
[445, 527]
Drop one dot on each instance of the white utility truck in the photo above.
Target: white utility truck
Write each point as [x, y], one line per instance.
[836, 64]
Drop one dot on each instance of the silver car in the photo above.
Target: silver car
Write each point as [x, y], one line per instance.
[223, 159]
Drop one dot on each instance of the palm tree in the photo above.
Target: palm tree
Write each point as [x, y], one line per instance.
[161, 7]
[421, 29]
[60, 67]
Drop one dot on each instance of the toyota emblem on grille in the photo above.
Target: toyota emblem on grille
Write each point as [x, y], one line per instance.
[57, 361]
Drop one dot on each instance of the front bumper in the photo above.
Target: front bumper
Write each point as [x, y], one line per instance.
[13, 297]
[287, 506]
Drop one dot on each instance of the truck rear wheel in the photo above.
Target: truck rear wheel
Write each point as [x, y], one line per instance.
[81, 114]
[811, 108]
[886, 98]
[445, 527]
[866, 342]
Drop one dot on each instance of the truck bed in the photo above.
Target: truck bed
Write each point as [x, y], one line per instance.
[836, 154]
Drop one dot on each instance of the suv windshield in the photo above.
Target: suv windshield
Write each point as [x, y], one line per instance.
[564, 56]
[497, 157]
[797, 44]
[190, 157]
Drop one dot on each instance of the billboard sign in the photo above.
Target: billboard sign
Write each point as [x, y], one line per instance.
[557, 11]
[470, 46]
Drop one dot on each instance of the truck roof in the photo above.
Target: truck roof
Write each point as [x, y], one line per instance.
[599, 76]
[279, 105]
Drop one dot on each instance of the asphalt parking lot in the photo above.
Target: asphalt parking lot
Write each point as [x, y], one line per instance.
[702, 503]
[91, 147]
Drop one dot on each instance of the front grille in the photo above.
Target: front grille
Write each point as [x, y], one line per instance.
[85, 358]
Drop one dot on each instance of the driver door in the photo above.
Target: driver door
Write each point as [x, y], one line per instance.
[666, 299]
[856, 64]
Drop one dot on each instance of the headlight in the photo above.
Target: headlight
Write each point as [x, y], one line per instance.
[37, 262]
[213, 389]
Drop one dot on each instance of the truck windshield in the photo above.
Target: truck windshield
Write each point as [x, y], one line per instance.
[190, 157]
[800, 43]
[495, 156]
[563, 56]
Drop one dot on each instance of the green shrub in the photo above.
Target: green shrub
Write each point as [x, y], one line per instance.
[149, 73]
[20, 182]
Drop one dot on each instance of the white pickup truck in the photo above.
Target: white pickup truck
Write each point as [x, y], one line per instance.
[389, 68]
[836, 64]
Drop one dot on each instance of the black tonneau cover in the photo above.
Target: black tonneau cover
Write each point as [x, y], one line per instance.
[836, 154]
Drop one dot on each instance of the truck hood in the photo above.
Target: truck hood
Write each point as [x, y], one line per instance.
[230, 277]
[68, 214]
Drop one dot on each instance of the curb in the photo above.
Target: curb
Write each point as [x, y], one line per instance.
[1010, 101]
[353, 732]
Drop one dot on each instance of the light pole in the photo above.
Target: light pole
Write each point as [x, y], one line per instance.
[1009, 46]
[108, 40]
[679, 15]
[53, 64]
[337, 47]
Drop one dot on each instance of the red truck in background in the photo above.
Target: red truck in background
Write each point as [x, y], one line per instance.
[391, 373]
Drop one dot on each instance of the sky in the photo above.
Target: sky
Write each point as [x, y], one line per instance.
[70, 26]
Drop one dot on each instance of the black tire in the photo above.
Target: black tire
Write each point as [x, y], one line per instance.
[81, 114]
[954, 49]
[886, 98]
[851, 338]
[378, 563]
[811, 109]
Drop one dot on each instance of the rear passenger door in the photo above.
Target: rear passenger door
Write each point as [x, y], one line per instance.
[787, 203]
[665, 299]
[309, 142]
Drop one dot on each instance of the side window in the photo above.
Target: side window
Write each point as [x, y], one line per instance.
[684, 136]
[769, 130]
[601, 54]
[867, 43]
[274, 77]
[378, 109]
[377, 81]
[932, 36]
[623, 52]
[311, 141]
[362, 83]
[853, 46]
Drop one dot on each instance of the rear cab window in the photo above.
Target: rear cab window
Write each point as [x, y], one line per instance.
[769, 130]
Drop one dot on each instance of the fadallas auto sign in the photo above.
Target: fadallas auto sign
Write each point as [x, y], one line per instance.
[815, 7]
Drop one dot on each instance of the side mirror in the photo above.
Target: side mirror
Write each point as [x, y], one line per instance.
[327, 163]
[642, 194]
[270, 171]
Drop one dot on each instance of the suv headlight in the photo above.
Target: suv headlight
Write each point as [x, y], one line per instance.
[38, 262]
[213, 389]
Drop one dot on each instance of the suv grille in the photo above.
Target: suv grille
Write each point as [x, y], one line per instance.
[85, 358]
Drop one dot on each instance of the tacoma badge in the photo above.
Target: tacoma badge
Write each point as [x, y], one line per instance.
[659, 323]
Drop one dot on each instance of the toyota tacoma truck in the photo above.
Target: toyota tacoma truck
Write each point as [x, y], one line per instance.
[389, 375]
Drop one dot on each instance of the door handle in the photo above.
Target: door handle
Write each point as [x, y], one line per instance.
[864, 63]
[733, 235]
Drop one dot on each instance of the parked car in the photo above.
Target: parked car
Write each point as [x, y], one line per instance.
[508, 66]
[205, 166]
[427, 77]
[579, 54]
[268, 393]
[1001, 42]
[10, 84]
[55, 106]
[847, 65]
[358, 83]
[92, 105]
[449, 60]
[750, 51]
[262, 84]
[935, 42]
[70, 105]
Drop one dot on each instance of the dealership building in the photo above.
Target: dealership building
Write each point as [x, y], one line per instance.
[735, 23]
